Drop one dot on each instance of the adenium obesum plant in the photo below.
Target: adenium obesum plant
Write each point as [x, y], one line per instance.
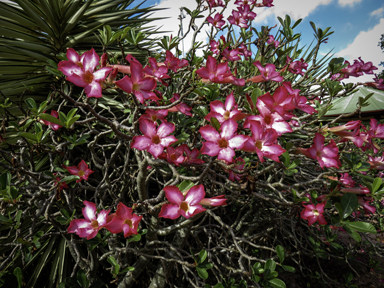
[80, 170]
[188, 205]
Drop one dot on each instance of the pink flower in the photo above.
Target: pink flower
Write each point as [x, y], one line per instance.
[181, 107]
[156, 71]
[327, 156]
[364, 202]
[225, 111]
[237, 19]
[215, 3]
[173, 62]
[62, 185]
[296, 67]
[80, 71]
[245, 2]
[244, 51]
[314, 213]
[378, 83]
[263, 142]
[347, 180]
[123, 220]
[215, 47]
[90, 226]
[267, 74]
[175, 155]
[375, 131]
[218, 73]
[191, 156]
[246, 12]
[187, 206]
[357, 190]
[271, 40]
[376, 162]
[298, 101]
[138, 84]
[53, 125]
[231, 55]
[217, 21]
[154, 115]
[240, 163]
[281, 102]
[349, 126]
[222, 144]
[268, 3]
[81, 170]
[214, 201]
[154, 140]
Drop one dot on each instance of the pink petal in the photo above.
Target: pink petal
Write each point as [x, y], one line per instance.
[77, 80]
[141, 142]
[93, 90]
[210, 148]
[82, 165]
[78, 223]
[115, 225]
[101, 74]
[237, 141]
[102, 217]
[156, 150]
[165, 129]
[72, 55]
[123, 211]
[217, 106]
[226, 154]
[209, 133]
[136, 71]
[72, 169]
[69, 68]
[228, 129]
[195, 195]
[173, 194]
[89, 211]
[148, 128]
[192, 211]
[90, 60]
[169, 211]
[166, 141]
[125, 84]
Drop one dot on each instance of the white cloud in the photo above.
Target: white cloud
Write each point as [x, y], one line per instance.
[377, 13]
[348, 2]
[365, 46]
[294, 8]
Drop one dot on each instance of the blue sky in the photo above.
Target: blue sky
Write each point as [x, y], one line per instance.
[358, 24]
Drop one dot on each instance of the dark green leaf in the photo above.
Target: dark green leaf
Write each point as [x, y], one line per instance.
[68, 179]
[19, 276]
[280, 252]
[376, 184]
[270, 264]
[202, 256]
[349, 204]
[362, 227]
[202, 273]
[276, 283]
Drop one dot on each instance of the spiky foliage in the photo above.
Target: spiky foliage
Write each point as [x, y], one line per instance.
[34, 32]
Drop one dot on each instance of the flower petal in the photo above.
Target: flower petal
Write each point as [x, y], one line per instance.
[173, 194]
[195, 195]
[169, 211]
[89, 211]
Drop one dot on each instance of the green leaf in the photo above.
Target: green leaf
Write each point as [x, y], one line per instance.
[185, 186]
[280, 252]
[376, 184]
[19, 276]
[135, 238]
[270, 264]
[29, 136]
[215, 123]
[356, 236]
[362, 227]
[286, 158]
[339, 208]
[289, 268]
[68, 179]
[205, 265]
[276, 283]
[202, 273]
[202, 256]
[82, 279]
[349, 204]
[31, 103]
[112, 260]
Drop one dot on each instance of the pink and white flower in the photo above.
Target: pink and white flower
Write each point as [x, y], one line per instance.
[90, 226]
[80, 71]
[155, 139]
[224, 143]
[314, 213]
[123, 221]
[80, 170]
